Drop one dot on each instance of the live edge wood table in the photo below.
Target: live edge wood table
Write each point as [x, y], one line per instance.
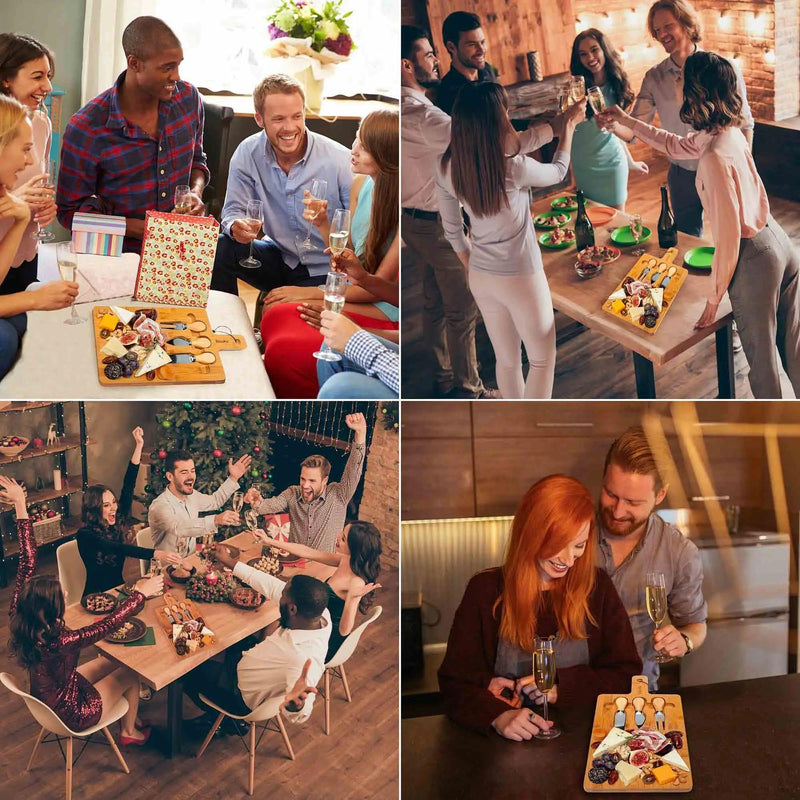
[582, 301]
[159, 665]
[743, 743]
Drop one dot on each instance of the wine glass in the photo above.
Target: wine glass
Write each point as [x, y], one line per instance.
[183, 200]
[596, 100]
[68, 268]
[562, 96]
[656, 595]
[43, 234]
[251, 520]
[335, 287]
[319, 190]
[637, 229]
[254, 216]
[340, 231]
[544, 675]
[577, 88]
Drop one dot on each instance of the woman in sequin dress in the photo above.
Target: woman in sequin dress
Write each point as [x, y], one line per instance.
[357, 559]
[50, 650]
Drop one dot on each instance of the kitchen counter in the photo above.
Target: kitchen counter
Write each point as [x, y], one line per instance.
[742, 740]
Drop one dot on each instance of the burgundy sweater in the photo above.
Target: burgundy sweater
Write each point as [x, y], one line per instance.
[468, 665]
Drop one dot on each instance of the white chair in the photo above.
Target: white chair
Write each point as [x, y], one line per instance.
[268, 712]
[144, 539]
[54, 730]
[71, 572]
[335, 666]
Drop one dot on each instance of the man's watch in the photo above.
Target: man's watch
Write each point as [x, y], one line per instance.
[689, 645]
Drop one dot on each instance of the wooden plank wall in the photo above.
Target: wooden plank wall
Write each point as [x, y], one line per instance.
[478, 459]
[512, 29]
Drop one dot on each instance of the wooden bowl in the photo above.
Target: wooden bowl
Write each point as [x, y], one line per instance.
[15, 450]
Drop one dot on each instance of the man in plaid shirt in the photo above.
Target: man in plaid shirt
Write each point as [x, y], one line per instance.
[126, 150]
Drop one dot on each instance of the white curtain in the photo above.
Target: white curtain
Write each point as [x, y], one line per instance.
[224, 43]
[103, 58]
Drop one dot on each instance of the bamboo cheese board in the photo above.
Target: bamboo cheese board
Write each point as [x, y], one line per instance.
[648, 273]
[676, 778]
[197, 343]
[184, 607]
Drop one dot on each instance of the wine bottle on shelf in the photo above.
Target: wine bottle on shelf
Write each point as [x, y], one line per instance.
[584, 232]
[667, 231]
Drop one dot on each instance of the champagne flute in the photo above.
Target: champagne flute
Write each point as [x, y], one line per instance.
[637, 229]
[656, 597]
[255, 216]
[596, 100]
[43, 234]
[68, 268]
[183, 200]
[155, 570]
[340, 231]
[319, 190]
[251, 520]
[335, 287]
[577, 88]
[544, 675]
[237, 501]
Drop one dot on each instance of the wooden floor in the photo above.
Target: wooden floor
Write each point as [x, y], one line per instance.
[590, 366]
[358, 760]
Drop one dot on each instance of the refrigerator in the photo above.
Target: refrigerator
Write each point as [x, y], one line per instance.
[746, 586]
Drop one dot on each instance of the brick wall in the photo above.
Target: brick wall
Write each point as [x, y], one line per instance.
[380, 503]
[766, 47]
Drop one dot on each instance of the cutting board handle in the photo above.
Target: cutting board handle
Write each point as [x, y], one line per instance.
[670, 255]
[639, 686]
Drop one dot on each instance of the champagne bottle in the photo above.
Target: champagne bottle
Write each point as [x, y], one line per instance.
[584, 232]
[667, 232]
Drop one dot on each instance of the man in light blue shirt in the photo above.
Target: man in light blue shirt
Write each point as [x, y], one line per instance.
[276, 166]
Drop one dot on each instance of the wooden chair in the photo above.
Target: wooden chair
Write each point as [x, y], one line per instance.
[54, 730]
[144, 538]
[71, 572]
[335, 667]
[269, 712]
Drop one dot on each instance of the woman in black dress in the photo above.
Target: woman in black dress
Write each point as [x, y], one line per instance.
[101, 540]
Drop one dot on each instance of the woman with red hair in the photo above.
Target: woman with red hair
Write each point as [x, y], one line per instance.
[548, 586]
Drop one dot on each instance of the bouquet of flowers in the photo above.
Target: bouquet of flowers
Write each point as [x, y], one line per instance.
[304, 27]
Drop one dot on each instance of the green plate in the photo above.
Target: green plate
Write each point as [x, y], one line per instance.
[573, 206]
[699, 257]
[622, 236]
[544, 241]
[548, 215]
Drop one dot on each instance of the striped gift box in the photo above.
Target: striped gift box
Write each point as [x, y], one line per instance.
[98, 234]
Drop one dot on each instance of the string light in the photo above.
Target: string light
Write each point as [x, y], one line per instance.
[756, 23]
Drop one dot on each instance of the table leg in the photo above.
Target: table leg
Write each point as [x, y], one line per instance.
[174, 718]
[726, 378]
[645, 377]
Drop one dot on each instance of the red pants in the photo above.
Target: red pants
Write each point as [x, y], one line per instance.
[289, 346]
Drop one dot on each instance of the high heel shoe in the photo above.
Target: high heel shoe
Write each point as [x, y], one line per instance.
[129, 740]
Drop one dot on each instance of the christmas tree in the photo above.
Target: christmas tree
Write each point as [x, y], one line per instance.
[212, 433]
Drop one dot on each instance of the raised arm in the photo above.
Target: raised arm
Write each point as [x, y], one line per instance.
[355, 592]
[355, 461]
[27, 544]
[131, 473]
[301, 550]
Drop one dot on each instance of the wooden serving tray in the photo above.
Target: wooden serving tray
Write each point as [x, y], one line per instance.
[656, 265]
[170, 600]
[604, 722]
[195, 372]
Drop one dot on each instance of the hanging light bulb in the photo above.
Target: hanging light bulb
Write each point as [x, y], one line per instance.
[756, 23]
[725, 21]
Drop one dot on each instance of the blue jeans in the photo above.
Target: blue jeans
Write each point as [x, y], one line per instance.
[11, 332]
[345, 380]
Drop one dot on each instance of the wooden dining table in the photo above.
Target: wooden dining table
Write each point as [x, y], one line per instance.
[159, 665]
[582, 300]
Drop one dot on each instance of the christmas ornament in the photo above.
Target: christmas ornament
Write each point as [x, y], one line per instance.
[255, 473]
[162, 454]
[217, 454]
[220, 432]
[148, 488]
[166, 423]
[38, 444]
[264, 475]
[256, 449]
[187, 406]
[236, 411]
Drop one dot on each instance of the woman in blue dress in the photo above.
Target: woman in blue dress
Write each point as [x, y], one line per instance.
[600, 165]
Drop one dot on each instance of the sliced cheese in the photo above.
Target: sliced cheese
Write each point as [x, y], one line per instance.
[113, 347]
[635, 312]
[616, 737]
[108, 322]
[124, 315]
[618, 305]
[157, 358]
[627, 772]
[664, 774]
[658, 297]
[618, 295]
[673, 758]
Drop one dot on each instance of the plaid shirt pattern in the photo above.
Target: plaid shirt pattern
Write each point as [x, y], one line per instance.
[374, 358]
[111, 166]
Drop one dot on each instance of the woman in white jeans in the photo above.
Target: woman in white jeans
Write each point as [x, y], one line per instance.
[484, 170]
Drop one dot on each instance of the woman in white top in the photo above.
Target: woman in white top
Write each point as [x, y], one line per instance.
[483, 169]
[754, 261]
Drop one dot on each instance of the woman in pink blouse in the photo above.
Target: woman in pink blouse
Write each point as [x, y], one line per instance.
[50, 650]
[754, 260]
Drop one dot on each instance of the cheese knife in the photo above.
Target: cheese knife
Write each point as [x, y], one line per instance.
[619, 717]
[661, 720]
[638, 714]
[186, 358]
